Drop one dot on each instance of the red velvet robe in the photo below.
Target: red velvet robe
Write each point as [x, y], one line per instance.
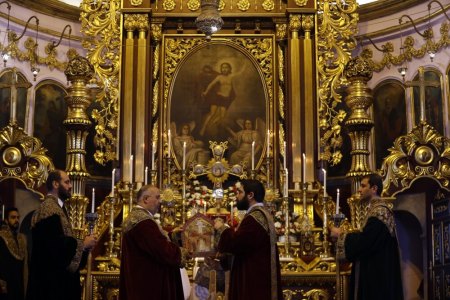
[150, 263]
[255, 254]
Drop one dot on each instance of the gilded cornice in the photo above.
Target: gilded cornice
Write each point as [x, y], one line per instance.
[52, 8]
[384, 8]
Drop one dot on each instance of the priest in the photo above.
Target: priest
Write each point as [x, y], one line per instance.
[150, 263]
[255, 272]
[13, 258]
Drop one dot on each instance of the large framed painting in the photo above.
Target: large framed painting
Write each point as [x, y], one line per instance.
[219, 91]
[22, 86]
[434, 111]
[389, 108]
[50, 112]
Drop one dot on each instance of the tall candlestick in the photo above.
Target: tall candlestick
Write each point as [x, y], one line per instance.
[324, 183]
[337, 202]
[231, 212]
[169, 142]
[304, 167]
[153, 155]
[253, 155]
[268, 143]
[184, 155]
[285, 154]
[287, 219]
[93, 201]
[113, 177]
[131, 168]
[146, 175]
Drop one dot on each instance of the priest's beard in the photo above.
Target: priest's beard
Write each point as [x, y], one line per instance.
[242, 204]
[63, 194]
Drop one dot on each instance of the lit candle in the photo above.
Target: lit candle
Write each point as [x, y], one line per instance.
[324, 183]
[93, 201]
[146, 175]
[268, 142]
[113, 176]
[337, 202]
[131, 168]
[253, 155]
[304, 167]
[184, 155]
[153, 155]
[169, 142]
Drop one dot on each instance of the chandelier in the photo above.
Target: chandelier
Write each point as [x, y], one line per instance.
[209, 21]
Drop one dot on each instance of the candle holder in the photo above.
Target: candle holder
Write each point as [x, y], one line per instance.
[287, 229]
[111, 227]
[306, 226]
[253, 174]
[268, 164]
[153, 174]
[91, 219]
[169, 169]
[131, 195]
[337, 219]
[326, 254]
[183, 198]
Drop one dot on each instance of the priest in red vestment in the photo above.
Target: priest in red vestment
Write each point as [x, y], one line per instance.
[374, 251]
[150, 263]
[255, 272]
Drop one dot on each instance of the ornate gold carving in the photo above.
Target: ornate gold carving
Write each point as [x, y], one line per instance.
[359, 124]
[23, 157]
[243, 5]
[301, 2]
[136, 2]
[294, 23]
[409, 51]
[307, 22]
[337, 23]
[101, 23]
[281, 31]
[221, 5]
[422, 152]
[193, 5]
[268, 5]
[168, 5]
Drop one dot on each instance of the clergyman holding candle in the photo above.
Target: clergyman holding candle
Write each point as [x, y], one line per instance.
[374, 251]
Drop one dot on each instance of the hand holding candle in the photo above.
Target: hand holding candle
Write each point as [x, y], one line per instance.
[253, 155]
[93, 201]
[337, 202]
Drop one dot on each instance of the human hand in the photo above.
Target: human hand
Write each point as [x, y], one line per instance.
[335, 232]
[89, 242]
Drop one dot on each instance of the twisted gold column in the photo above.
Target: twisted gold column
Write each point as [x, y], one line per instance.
[79, 71]
[359, 99]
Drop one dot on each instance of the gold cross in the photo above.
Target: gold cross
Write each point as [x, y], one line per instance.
[422, 84]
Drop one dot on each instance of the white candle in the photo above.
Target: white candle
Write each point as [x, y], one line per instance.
[284, 158]
[204, 207]
[184, 155]
[253, 155]
[169, 142]
[337, 202]
[268, 142]
[146, 175]
[231, 212]
[131, 168]
[287, 219]
[93, 201]
[324, 183]
[286, 178]
[304, 167]
[113, 176]
[153, 155]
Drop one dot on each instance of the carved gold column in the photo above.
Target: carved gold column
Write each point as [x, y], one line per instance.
[141, 88]
[359, 99]
[295, 96]
[130, 22]
[79, 71]
[308, 92]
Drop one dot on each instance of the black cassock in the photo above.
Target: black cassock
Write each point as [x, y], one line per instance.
[375, 256]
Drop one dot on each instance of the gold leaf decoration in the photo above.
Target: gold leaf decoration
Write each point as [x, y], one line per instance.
[243, 5]
[193, 5]
[268, 5]
[168, 5]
